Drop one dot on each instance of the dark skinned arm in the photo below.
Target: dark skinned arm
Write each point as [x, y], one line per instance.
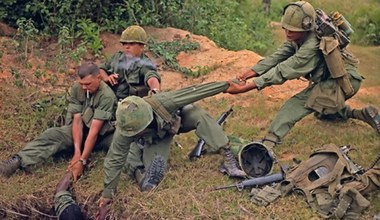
[239, 87]
[246, 75]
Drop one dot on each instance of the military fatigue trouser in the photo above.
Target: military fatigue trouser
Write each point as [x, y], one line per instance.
[193, 118]
[62, 200]
[294, 110]
[54, 140]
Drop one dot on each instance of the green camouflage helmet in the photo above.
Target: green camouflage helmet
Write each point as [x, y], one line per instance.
[134, 34]
[133, 115]
[298, 16]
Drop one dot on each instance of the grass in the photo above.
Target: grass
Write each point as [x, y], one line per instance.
[185, 191]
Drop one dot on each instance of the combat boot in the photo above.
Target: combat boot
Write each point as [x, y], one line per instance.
[230, 164]
[153, 174]
[9, 167]
[369, 114]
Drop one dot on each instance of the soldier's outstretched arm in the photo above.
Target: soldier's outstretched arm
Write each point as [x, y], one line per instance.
[113, 165]
[114, 162]
[246, 75]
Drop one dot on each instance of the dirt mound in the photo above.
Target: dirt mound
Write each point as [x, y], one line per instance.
[5, 30]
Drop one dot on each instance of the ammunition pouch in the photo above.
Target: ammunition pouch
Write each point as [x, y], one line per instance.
[335, 64]
[326, 97]
[87, 116]
[172, 120]
[175, 125]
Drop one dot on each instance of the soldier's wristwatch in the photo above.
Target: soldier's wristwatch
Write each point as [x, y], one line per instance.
[83, 161]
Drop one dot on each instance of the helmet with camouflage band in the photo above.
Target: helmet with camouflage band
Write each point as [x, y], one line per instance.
[298, 16]
[133, 115]
[134, 34]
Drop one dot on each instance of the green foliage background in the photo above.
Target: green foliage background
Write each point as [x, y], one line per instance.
[232, 24]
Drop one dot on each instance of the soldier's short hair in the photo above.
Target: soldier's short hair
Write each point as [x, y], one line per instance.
[88, 68]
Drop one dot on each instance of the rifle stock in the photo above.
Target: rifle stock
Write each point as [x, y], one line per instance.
[197, 151]
[255, 182]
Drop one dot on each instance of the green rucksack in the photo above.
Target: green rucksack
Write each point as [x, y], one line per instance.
[332, 183]
[334, 186]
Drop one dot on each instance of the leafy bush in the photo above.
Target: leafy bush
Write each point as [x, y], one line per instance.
[168, 52]
[89, 32]
[232, 24]
[26, 31]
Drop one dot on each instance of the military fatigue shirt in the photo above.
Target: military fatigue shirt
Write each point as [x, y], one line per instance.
[171, 101]
[132, 71]
[101, 105]
[292, 61]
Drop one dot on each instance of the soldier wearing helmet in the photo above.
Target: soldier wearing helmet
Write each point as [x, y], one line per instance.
[301, 56]
[152, 122]
[131, 72]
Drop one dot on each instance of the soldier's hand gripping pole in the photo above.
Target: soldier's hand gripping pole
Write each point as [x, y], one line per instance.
[255, 182]
[197, 151]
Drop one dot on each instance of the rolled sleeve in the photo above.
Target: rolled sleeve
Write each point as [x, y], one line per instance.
[104, 111]
[102, 115]
[149, 73]
[299, 64]
[75, 106]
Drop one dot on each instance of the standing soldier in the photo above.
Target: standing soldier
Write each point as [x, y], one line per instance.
[301, 56]
[152, 122]
[92, 105]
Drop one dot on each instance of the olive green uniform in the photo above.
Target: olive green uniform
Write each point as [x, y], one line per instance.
[292, 61]
[100, 106]
[157, 139]
[62, 200]
[133, 72]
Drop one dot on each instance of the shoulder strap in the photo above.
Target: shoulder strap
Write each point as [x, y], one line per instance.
[159, 109]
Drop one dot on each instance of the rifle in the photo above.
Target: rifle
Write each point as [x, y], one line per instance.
[355, 167]
[255, 182]
[197, 151]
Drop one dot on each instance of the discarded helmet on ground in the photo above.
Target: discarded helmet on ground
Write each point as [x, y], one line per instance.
[134, 34]
[133, 115]
[255, 159]
[298, 16]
